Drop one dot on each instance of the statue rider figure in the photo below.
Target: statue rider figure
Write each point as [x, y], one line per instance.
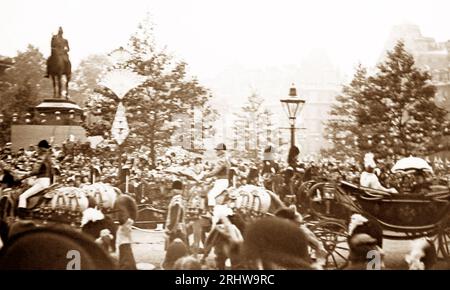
[59, 45]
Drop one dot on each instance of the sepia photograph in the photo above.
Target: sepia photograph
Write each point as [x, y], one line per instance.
[224, 135]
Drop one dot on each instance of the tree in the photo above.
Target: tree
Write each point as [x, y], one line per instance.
[342, 129]
[23, 86]
[160, 108]
[86, 78]
[253, 128]
[392, 113]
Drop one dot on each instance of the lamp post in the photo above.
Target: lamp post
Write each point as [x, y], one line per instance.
[292, 105]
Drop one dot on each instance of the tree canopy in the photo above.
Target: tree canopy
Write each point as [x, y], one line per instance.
[253, 128]
[160, 111]
[392, 113]
[22, 86]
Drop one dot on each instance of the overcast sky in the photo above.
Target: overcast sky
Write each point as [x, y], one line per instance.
[211, 35]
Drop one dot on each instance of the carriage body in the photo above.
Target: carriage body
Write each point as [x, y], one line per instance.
[400, 212]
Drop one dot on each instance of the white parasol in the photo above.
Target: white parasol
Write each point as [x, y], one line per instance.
[411, 163]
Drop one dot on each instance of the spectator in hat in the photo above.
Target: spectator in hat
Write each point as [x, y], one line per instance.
[294, 152]
[85, 179]
[198, 166]
[175, 220]
[290, 213]
[99, 228]
[127, 214]
[268, 244]
[177, 249]
[50, 248]
[42, 170]
[253, 176]
[188, 263]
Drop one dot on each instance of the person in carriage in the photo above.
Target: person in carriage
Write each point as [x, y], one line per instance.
[43, 171]
[422, 183]
[369, 178]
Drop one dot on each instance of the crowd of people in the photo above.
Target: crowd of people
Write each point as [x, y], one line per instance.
[74, 164]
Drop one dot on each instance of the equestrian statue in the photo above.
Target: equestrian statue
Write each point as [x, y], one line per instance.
[58, 64]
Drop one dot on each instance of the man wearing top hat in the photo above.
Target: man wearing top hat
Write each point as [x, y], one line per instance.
[42, 170]
[221, 172]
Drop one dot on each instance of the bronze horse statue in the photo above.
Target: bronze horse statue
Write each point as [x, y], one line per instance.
[58, 64]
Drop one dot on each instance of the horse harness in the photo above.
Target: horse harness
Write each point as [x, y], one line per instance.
[250, 202]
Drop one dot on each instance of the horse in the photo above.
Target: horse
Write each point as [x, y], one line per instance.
[244, 204]
[66, 205]
[58, 65]
[226, 239]
[262, 243]
[251, 201]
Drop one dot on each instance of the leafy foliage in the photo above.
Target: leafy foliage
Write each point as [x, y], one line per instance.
[391, 113]
[87, 76]
[22, 86]
[160, 108]
[253, 128]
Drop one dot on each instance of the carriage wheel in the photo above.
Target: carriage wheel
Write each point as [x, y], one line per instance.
[443, 239]
[333, 236]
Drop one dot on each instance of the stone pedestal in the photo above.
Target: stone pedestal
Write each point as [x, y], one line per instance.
[58, 112]
[56, 119]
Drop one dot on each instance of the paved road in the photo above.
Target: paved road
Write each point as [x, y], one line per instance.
[149, 248]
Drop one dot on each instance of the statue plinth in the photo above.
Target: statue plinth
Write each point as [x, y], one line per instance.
[56, 112]
[56, 119]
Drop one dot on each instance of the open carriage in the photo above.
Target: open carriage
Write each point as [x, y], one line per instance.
[401, 216]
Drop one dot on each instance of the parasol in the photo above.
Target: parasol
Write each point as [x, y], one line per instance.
[410, 163]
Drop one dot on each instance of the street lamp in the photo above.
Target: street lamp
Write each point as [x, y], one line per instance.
[292, 105]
